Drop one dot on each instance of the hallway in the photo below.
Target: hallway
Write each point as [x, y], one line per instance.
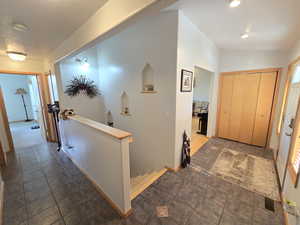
[43, 187]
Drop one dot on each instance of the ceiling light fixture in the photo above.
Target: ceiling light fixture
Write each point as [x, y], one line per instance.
[16, 56]
[245, 36]
[234, 3]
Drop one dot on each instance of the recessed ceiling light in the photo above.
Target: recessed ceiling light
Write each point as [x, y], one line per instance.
[234, 3]
[16, 56]
[245, 36]
[20, 27]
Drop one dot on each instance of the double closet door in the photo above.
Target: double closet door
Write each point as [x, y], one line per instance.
[245, 106]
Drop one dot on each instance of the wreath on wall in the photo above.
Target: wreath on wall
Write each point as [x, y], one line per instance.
[82, 85]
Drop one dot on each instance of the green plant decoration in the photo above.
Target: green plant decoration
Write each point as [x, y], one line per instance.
[82, 85]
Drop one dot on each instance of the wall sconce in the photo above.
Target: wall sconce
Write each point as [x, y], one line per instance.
[83, 64]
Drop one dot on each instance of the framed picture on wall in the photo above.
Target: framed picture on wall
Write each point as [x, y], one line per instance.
[186, 81]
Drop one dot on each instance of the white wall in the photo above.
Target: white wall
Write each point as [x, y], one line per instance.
[203, 79]
[114, 15]
[14, 105]
[92, 108]
[251, 60]
[102, 157]
[121, 61]
[194, 49]
[289, 192]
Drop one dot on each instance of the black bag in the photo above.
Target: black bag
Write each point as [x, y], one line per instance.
[186, 151]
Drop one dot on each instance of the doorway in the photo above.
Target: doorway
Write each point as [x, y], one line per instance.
[22, 101]
[288, 154]
[201, 99]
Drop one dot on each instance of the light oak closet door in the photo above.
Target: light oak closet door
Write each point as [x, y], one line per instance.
[250, 87]
[264, 108]
[236, 108]
[225, 105]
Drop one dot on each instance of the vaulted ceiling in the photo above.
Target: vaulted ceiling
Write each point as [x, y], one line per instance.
[272, 24]
[49, 22]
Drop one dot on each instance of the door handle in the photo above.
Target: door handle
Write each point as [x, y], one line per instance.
[287, 134]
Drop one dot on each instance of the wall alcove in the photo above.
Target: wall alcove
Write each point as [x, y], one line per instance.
[109, 119]
[148, 79]
[125, 104]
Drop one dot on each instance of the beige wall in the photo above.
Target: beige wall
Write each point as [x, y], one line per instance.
[29, 65]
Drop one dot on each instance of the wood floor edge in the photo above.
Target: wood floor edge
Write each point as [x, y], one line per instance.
[148, 183]
[109, 201]
[173, 169]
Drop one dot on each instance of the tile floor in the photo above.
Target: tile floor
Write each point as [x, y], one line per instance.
[43, 187]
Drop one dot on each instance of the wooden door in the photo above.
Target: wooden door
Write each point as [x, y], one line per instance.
[264, 108]
[249, 92]
[236, 107]
[226, 87]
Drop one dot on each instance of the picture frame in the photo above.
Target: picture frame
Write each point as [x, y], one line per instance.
[186, 81]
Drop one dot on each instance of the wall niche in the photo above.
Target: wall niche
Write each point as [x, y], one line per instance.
[109, 119]
[125, 104]
[148, 79]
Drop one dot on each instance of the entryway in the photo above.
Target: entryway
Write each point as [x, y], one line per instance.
[24, 117]
[201, 99]
[23, 107]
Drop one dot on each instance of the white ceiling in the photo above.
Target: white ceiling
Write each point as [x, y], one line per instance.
[49, 22]
[273, 24]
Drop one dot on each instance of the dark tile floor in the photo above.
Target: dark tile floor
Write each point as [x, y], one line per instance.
[43, 187]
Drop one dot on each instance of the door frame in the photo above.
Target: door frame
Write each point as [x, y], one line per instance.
[290, 72]
[291, 69]
[45, 98]
[275, 97]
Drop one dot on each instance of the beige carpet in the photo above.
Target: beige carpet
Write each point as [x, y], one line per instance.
[250, 172]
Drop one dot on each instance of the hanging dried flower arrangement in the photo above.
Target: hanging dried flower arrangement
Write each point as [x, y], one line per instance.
[82, 85]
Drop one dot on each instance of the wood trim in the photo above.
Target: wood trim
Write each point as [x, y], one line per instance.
[218, 105]
[112, 204]
[274, 105]
[46, 99]
[1, 202]
[3, 159]
[5, 121]
[295, 61]
[285, 216]
[175, 170]
[292, 171]
[138, 188]
[289, 166]
[114, 132]
[20, 72]
[283, 104]
[253, 71]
